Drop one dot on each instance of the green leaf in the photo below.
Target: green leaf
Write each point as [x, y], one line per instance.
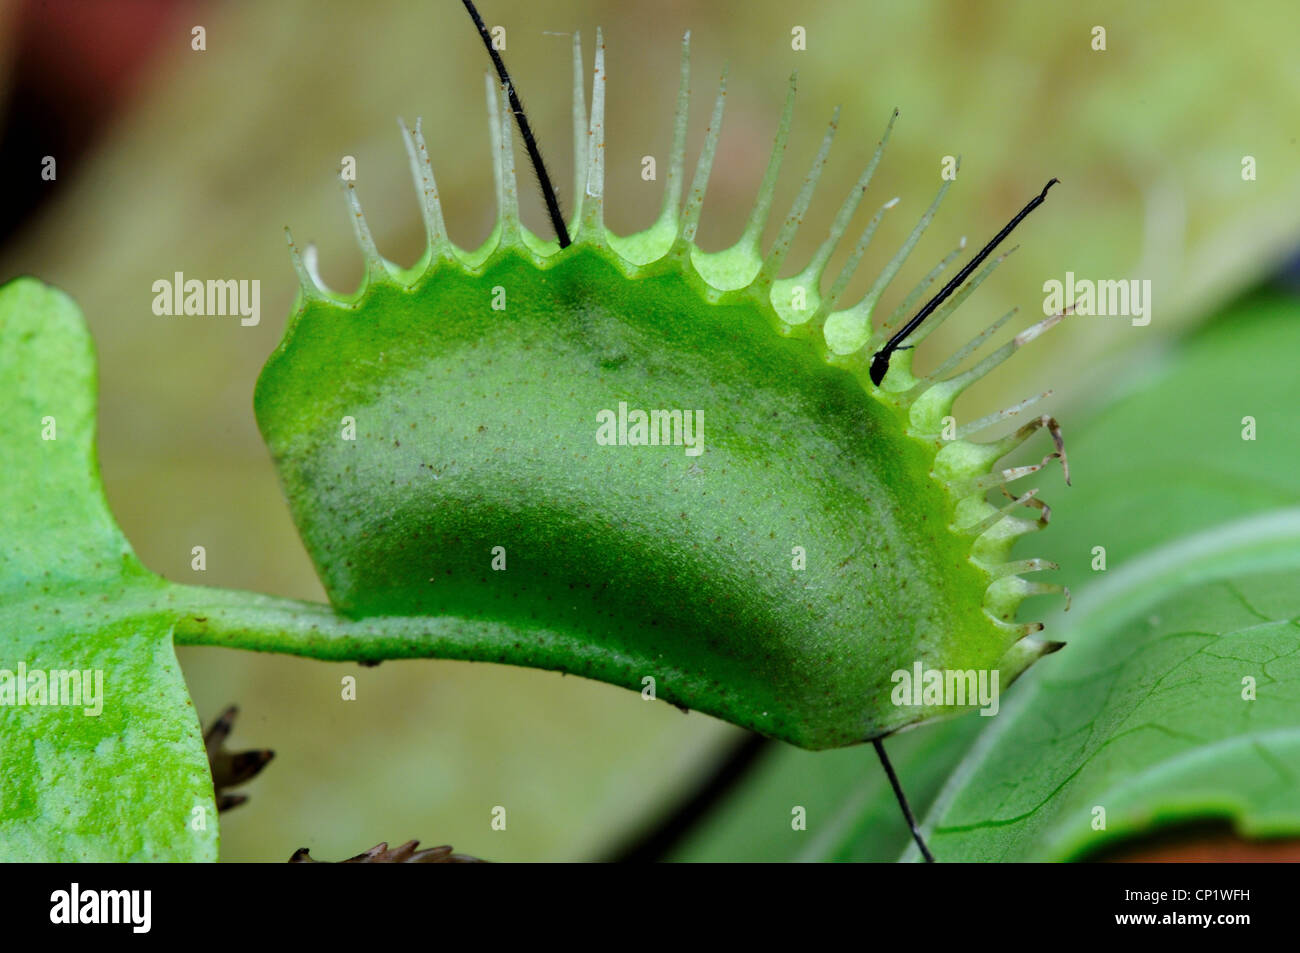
[1147, 715]
[122, 783]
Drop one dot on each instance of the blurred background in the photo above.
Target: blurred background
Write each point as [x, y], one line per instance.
[175, 159]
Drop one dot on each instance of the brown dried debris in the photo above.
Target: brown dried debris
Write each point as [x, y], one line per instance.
[402, 854]
[231, 768]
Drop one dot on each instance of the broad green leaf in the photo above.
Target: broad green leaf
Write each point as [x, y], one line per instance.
[1178, 700]
[119, 774]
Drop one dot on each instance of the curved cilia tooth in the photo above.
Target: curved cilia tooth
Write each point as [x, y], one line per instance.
[908, 305]
[1049, 589]
[1010, 591]
[307, 282]
[1026, 651]
[671, 211]
[975, 426]
[1022, 565]
[1031, 499]
[982, 526]
[694, 203]
[963, 466]
[781, 247]
[851, 265]
[850, 330]
[953, 303]
[969, 348]
[435, 229]
[508, 186]
[926, 415]
[591, 227]
[809, 279]
[994, 543]
[1014, 439]
[1001, 477]
[851, 202]
[579, 132]
[934, 402]
[735, 268]
[376, 267]
[752, 238]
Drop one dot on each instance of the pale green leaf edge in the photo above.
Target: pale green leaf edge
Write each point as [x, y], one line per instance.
[1263, 544]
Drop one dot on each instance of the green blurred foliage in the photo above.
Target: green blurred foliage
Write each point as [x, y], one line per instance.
[848, 806]
[1166, 456]
[225, 147]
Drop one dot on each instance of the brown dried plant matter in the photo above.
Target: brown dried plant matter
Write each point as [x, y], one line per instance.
[402, 854]
[231, 768]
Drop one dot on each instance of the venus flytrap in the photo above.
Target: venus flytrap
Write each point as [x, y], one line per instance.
[445, 414]
[622, 562]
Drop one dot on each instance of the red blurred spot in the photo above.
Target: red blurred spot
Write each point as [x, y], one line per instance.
[84, 58]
